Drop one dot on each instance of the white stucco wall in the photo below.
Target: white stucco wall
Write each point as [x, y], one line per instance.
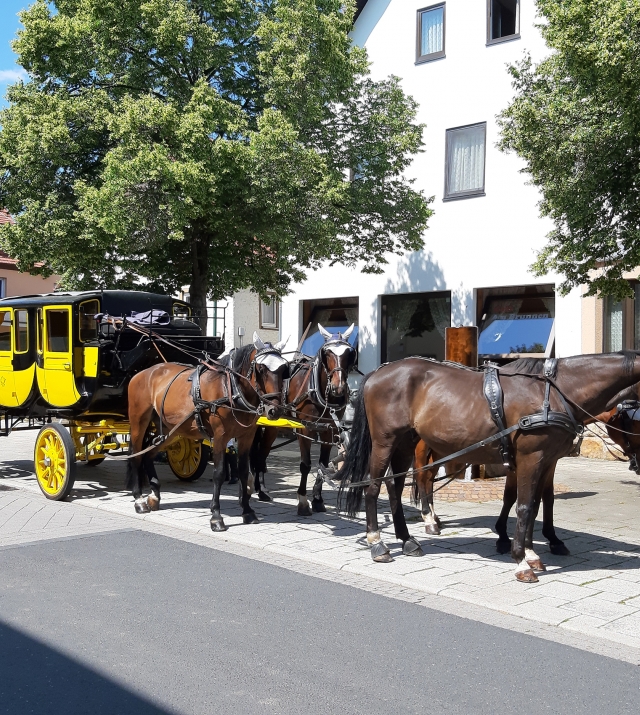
[471, 243]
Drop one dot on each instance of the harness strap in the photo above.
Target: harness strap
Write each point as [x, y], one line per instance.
[493, 394]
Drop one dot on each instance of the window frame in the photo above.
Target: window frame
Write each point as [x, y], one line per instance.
[506, 38]
[97, 336]
[3, 287]
[16, 331]
[270, 326]
[421, 59]
[447, 196]
[10, 331]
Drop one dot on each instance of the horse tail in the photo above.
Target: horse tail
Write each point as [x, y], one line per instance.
[356, 463]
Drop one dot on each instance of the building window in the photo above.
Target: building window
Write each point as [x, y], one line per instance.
[465, 155]
[269, 313]
[516, 321]
[430, 36]
[3, 287]
[414, 324]
[503, 20]
[621, 323]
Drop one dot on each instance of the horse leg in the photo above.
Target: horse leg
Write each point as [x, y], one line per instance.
[503, 544]
[531, 471]
[424, 481]
[379, 462]
[219, 445]
[556, 545]
[139, 418]
[268, 438]
[400, 462]
[317, 502]
[244, 447]
[305, 468]
[153, 500]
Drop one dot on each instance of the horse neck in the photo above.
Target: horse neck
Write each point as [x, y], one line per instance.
[593, 380]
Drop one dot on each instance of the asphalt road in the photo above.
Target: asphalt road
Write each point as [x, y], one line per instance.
[131, 622]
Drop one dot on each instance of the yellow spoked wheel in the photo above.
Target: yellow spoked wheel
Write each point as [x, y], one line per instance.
[55, 461]
[187, 458]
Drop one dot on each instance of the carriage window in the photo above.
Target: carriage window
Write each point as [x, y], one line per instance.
[22, 331]
[88, 326]
[58, 331]
[40, 330]
[5, 331]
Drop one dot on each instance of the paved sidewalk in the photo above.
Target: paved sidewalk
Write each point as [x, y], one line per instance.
[594, 592]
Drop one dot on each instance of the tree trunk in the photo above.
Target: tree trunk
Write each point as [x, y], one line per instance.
[199, 288]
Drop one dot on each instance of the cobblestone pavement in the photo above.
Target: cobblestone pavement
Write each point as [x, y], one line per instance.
[590, 599]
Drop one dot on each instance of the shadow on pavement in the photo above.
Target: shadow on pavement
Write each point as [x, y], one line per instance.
[35, 678]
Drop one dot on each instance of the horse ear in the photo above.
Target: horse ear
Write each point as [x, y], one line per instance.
[325, 333]
[257, 342]
[280, 346]
[348, 331]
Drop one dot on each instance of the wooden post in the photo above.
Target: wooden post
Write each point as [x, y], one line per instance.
[461, 345]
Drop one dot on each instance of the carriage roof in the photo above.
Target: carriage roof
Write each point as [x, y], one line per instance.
[115, 302]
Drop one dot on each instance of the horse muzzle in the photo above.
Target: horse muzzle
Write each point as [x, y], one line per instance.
[271, 411]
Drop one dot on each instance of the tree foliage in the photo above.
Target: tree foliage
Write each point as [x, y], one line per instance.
[220, 144]
[576, 123]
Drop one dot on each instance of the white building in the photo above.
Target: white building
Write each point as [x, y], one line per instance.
[486, 229]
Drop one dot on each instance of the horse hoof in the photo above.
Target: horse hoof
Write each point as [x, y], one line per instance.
[559, 549]
[380, 553]
[503, 546]
[412, 548]
[218, 525]
[153, 502]
[537, 565]
[526, 576]
[263, 496]
[318, 506]
[303, 510]
[249, 518]
[432, 529]
[142, 507]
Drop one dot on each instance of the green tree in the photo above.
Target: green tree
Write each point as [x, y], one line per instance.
[575, 122]
[209, 143]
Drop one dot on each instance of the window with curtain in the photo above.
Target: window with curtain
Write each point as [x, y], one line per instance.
[269, 313]
[430, 43]
[613, 325]
[465, 152]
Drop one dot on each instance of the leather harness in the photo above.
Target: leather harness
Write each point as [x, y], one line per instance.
[492, 390]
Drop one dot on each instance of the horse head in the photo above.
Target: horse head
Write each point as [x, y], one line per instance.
[270, 370]
[338, 357]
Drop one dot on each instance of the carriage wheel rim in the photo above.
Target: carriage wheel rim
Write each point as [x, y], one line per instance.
[184, 457]
[51, 462]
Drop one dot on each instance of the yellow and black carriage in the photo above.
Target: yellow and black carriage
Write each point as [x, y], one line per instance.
[65, 366]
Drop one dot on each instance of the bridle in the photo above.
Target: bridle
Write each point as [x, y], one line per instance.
[335, 342]
[266, 399]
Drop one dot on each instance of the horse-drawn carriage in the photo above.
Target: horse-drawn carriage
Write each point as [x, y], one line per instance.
[65, 365]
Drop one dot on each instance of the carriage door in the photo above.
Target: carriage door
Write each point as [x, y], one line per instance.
[7, 381]
[57, 356]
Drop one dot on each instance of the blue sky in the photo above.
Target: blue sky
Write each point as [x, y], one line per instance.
[9, 24]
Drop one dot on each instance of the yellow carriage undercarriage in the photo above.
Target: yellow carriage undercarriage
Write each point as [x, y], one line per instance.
[59, 446]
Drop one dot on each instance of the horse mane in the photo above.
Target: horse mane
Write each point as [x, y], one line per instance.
[530, 366]
[629, 360]
[241, 358]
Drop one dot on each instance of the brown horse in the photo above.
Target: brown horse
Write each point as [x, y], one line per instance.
[623, 426]
[318, 395]
[232, 398]
[443, 405]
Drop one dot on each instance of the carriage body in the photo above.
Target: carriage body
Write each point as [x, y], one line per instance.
[66, 373]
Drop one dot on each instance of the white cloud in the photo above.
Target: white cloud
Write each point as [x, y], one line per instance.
[7, 76]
